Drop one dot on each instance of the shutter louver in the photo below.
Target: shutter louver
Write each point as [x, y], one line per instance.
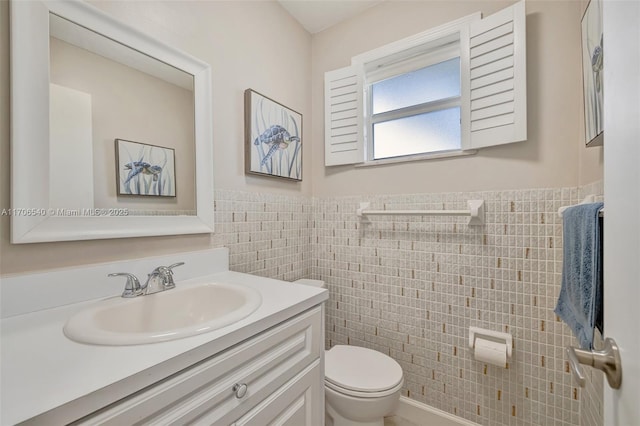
[496, 98]
[344, 142]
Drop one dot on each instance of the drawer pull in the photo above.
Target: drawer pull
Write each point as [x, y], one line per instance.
[240, 389]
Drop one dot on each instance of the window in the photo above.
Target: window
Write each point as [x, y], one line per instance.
[415, 112]
[458, 87]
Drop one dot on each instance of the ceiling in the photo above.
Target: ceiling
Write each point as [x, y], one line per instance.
[318, 15]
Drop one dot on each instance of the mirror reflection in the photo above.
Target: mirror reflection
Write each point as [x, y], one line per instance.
[121, 127]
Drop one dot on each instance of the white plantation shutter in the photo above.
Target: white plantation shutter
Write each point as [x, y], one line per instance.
[494, 81]
[343, 116]
[493, 86]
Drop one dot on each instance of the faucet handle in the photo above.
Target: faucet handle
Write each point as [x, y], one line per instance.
[166, 269]
[132, 287]
[175, 265]
[169, 284]
[166, 274]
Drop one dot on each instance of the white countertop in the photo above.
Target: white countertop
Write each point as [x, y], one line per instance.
[44, 371]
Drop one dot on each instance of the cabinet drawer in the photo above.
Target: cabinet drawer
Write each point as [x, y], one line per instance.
[263, 363]
[298, 403]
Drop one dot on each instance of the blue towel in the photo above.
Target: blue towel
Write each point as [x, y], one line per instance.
[580, 301]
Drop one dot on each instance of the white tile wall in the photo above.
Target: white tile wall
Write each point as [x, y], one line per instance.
[267, 234]
[412, 286]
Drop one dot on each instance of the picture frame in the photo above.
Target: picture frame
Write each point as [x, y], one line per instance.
[592, 73]
[273, 138]
[144, 170]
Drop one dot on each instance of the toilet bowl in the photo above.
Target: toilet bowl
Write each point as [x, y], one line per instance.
[361, 385]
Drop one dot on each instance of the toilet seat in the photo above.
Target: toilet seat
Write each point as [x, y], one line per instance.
[361, 394]
[361, 372]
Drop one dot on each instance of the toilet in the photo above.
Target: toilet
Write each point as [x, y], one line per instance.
[361, 385]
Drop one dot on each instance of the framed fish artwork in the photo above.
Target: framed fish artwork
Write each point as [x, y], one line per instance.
[145, 170]
[592, 73]
[273, 138]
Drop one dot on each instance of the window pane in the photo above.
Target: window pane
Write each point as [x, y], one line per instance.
[438, 81]
[429, 132]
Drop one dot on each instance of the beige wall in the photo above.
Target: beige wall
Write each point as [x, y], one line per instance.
[249, 44]
[257, 44]
[132, 105]
[549, 158]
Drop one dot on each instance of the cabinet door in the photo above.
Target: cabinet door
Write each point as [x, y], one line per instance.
[297, 403]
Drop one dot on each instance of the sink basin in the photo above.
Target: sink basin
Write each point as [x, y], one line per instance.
[169, 315]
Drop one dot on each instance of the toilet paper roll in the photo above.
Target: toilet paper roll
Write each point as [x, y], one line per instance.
[491, 352]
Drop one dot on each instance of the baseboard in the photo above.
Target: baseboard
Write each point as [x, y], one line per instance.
[425, 415]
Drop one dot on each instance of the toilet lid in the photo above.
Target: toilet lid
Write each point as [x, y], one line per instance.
[361, 369]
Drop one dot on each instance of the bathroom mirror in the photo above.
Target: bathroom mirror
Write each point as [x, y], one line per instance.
[111, 129]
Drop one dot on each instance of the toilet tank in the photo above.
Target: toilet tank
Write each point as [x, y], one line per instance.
[314, 283]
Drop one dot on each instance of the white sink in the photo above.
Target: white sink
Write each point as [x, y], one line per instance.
[169, 315]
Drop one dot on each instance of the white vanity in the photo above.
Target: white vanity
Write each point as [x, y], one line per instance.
[267, 367]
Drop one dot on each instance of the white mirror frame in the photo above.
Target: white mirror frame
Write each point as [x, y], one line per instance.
[30, 130]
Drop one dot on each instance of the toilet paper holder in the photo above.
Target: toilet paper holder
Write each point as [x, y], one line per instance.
[496, 336]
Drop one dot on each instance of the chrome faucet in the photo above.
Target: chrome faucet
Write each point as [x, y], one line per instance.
[160, 279]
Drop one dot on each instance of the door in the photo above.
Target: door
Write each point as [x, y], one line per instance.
[622, 203]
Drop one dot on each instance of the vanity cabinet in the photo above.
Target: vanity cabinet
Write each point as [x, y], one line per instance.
[275, 377]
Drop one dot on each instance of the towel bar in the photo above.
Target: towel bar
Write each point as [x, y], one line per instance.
[475, 212]
[588, 199]
[607, 360]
